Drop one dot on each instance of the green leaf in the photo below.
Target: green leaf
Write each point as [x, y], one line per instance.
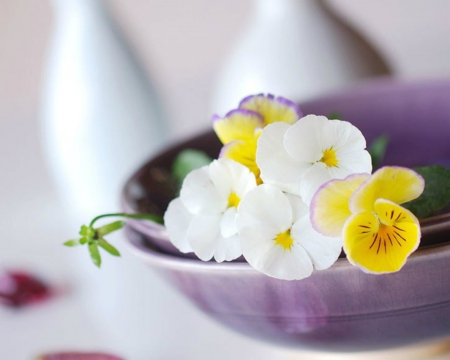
[87, 231]
[109, 228]
[71, 243]
[108, 247]
[95, 254]
[334, 116]
[436, 194]
[83, 240]
[188, 160]
[377, 150]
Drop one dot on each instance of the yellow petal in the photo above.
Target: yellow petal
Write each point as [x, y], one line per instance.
[243, 152]
[330, 205]
[271, 110]
[381, 242]
[396, 184]
[238, 125]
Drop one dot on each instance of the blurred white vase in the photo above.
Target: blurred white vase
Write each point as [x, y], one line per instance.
[101, 118]
[296, 49]
[100, 121]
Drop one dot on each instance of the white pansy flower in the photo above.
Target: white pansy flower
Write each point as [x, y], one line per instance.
[277, 237]
[202, 219]
[299, 158]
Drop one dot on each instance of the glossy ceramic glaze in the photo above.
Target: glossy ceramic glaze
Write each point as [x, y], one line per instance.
[341, 308]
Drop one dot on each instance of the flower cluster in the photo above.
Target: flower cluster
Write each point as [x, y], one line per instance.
[288, 192]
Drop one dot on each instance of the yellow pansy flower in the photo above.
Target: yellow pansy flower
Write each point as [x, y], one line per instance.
[378, 234]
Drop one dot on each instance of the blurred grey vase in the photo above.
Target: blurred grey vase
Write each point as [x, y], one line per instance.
[294, 48]
[100, 120]
[101, 117]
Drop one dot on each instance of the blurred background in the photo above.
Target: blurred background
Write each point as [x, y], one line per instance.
[187, 57]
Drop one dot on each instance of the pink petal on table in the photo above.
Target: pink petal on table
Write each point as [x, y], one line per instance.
[19, 288]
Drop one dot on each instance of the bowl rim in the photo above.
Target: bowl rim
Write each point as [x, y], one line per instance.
[159, 258]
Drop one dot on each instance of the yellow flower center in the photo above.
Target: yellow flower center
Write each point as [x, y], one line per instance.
[386, 238]
[233, 200]
[381, 241]
[329, 158]
[285, 240]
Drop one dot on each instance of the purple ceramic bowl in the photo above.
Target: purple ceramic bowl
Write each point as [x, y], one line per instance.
[341, 308]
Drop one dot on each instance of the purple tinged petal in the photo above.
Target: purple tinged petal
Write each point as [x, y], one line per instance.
[248, 98]
[245, 112]
[215, 118]
[281, 100]
[224, 149]
[290, 104]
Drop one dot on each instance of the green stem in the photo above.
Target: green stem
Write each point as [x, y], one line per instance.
[149, 217]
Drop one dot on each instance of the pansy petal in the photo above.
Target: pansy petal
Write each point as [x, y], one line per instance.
[227, 249]
[220, 177]
[342, 136]
[199, 194]
[256, 238]
[231, 174]
[268, 205]
[299, 208]
[315, 177]
[379, 248]
[303, 140]
[239, 124]
[228, 223]
[393, 183]
[330, 204]
[323, 251]
[273, 109]
[293, 264]
[276, 165]
[354, 162]
[177, 220]
[203, 235]
[242, 152]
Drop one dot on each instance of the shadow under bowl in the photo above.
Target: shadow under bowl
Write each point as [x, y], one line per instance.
[341, 308]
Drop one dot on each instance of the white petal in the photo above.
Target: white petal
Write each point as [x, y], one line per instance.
[177, 220]
[342, 136]
[262, 215]
[276, 165]
[220, 176]
[323, 251]
[279, 263]
[227, 249]
[199, 194]
[265, 205]
[317, 175]
[203, 235]
[299, 208]
[229, 176]
[355, 162]
[304, 140]
[291, 188]
[228, 223]
[257, 240]
[338, 172]
[243, 180]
